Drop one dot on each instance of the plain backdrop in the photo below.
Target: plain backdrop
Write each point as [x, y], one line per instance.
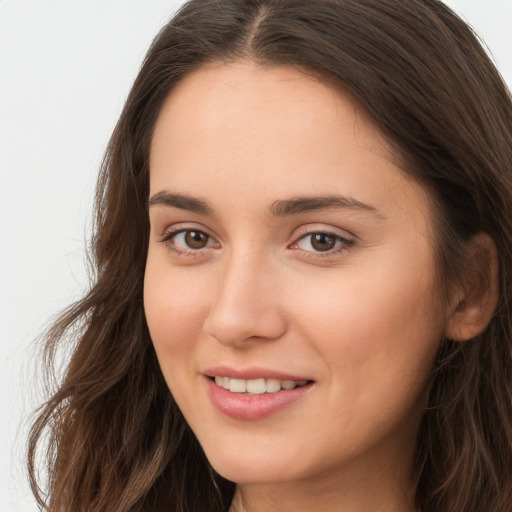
[66, 67]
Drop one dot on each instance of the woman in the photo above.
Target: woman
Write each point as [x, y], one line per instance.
[303, 252]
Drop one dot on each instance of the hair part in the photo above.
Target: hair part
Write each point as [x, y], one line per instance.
[117, 440]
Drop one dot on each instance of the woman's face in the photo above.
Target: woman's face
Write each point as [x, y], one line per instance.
[289, 257]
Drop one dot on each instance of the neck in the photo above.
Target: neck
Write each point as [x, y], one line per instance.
[388, 489]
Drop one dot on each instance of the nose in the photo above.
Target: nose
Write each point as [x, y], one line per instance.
[246, 306]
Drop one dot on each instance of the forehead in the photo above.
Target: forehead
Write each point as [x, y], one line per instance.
[245, 98]
[228, 130]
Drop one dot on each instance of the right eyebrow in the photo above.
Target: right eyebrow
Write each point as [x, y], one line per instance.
[182, 201]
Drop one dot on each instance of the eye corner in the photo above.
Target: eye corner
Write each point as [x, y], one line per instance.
[323, 242]
[188, 241]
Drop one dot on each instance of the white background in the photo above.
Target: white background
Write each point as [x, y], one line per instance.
[65, 69]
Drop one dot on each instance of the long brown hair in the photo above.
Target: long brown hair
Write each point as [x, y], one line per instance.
[114, 438]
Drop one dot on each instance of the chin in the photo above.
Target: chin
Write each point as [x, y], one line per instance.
[254, 466]
[247, 472]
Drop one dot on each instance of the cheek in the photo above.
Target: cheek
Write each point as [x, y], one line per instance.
[381, 327]
[174, 308]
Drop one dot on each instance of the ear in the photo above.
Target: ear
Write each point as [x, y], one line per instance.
[475, 301]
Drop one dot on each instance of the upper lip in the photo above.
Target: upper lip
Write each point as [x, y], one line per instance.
[252, 373]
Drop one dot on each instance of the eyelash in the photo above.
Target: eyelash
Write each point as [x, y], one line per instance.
[345, 243]
[169, 236]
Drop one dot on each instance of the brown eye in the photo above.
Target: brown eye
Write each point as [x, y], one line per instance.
[189, 242]
[323, 241]
[196, 239]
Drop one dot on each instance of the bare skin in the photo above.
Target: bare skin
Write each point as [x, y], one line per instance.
[345, 295]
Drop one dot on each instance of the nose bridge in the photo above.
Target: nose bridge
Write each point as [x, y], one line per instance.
[246, 305]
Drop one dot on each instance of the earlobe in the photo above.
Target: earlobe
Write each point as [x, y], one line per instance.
[478, 293]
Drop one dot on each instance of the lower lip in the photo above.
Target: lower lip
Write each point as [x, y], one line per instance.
[253, 407]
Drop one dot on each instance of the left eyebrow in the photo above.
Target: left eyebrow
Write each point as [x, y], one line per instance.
[283, 208]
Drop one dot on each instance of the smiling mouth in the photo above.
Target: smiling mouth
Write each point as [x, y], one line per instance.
[257, 386]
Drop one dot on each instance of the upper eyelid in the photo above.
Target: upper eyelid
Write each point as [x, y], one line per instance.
[346, 241]
[203, 251]
[185, 226]
[328, 233]
[297, 234]
[171, 233]
[306, 230]
[167, 240]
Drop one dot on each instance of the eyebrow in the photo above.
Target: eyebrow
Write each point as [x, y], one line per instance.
[283, 208]
[279, 208]
[182, 201]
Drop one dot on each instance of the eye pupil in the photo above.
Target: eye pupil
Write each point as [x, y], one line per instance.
[196, 239]
[323, 241]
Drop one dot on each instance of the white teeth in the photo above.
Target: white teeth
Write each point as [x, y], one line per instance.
[257, 386]
[288, 384]
[273, 385]
[237, 386]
